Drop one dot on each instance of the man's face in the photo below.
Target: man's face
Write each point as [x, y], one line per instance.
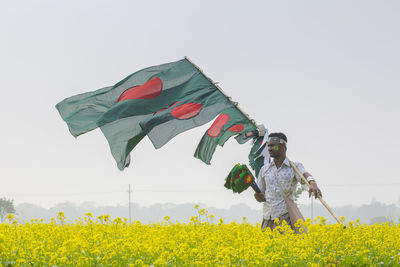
[275, 149]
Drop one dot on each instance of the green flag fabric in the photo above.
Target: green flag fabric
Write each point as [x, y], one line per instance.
[246, 136]
[195, 110]
[122, 136]
[256, 158]
[160, 102]
[229, 123]
[141, 93]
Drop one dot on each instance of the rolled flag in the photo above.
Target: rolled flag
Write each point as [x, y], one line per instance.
[256, 159]
[240, 178]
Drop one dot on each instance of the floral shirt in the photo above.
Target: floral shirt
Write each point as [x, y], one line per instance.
[274, 205]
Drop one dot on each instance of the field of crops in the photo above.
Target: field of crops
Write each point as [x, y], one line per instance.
[204, 241]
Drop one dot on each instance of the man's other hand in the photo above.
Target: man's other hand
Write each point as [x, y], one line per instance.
[314, 189]
[259, 197]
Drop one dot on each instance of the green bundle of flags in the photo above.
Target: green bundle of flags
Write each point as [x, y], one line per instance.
[159, 102]
[239, 179]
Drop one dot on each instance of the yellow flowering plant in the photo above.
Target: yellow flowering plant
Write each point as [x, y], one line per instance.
[106, 242]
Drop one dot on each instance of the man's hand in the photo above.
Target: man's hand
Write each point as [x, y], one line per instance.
[259, 197]
[314, 189]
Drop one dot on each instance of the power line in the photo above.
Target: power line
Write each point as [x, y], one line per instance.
[129, 204]
[342, 185]
[63, 194]
[173, 190]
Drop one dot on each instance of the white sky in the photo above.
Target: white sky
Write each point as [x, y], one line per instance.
[324, 72]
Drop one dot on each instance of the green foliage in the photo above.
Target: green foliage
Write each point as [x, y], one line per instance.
[6, 207]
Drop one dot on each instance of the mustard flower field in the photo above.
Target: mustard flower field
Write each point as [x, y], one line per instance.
[204, 241]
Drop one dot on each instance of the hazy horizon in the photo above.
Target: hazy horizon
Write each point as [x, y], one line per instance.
[367, 213]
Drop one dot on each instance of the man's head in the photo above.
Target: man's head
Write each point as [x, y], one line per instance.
[277, 145]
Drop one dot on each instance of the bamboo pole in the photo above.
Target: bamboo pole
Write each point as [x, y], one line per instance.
[320, 198]
[222, 92]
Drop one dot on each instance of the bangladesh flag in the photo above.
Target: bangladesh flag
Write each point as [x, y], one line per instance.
[141, 93]
[229, 123]
[122, 136]
[258, 155]
[190, 112]
[239, 178]
[160, 101]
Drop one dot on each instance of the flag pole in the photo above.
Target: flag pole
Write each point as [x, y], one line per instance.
[222, 92]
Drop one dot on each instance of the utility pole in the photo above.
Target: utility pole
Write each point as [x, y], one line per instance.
[129, 205]
[312, 207]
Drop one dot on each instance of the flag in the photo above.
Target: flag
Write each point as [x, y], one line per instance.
[141, 93]
[229, 123]
[259, 155]
[239, 179]
[191, 112]
[246, 136]
[160, 102]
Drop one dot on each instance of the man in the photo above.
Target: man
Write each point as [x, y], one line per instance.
[277, 175]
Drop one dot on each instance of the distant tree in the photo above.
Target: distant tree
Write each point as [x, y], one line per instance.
[378, 219]
[6, 207]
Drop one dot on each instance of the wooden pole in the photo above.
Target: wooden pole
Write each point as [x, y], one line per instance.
[320, 198]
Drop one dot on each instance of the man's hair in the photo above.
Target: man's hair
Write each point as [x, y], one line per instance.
[279, 135]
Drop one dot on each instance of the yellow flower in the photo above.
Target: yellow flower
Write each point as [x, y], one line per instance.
[10, 217]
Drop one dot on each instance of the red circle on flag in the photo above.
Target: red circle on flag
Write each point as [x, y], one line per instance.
[237, 128]
[248, 179]
[186, 111]
[173, 104]
[149, 89]
[217, 125]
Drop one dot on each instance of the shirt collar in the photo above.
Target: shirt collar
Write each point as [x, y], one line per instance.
[285, 162]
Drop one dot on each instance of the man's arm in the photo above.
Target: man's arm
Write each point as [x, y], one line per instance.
[261, 184]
